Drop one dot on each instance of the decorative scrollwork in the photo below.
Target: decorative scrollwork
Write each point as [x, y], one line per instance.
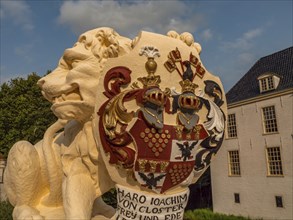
[115, 112]
[120, 75]
[216, 127]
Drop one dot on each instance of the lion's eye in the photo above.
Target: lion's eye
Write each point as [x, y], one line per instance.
[74, 63]
[63, 64]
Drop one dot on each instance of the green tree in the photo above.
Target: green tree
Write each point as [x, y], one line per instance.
[6, 210]
[24, 113]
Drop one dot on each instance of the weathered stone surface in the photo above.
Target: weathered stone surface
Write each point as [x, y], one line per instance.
[143, 114]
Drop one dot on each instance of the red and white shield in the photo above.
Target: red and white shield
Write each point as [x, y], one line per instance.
[163, 161]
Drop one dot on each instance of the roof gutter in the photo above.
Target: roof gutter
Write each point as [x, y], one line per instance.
[260, 98]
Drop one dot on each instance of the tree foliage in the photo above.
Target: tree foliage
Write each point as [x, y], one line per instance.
[24, 113]
[6, 210]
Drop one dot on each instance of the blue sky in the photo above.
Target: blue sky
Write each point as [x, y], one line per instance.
[233, 34]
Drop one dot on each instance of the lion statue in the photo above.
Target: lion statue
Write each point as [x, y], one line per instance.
[64, 169]
[141, 115]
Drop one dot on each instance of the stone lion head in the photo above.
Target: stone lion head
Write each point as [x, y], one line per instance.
[72, 87]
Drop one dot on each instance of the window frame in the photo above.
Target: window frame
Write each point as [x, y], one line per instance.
[268, 81]
[232, 126]
[234, 165]
[278, 170]
[2, 169]
[279, 201]
[267, 84]
[237, 198]
[269, 123]
[2, 175]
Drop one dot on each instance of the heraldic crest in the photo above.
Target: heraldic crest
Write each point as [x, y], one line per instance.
[174, 130]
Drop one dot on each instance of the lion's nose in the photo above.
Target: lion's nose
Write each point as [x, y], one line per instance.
[41, 82]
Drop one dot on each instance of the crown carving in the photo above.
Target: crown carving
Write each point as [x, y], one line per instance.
[150, 81]
[188, 86]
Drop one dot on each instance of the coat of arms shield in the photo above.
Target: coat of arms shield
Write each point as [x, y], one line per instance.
[160, 115]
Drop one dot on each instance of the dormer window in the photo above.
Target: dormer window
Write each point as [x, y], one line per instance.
[268, 82]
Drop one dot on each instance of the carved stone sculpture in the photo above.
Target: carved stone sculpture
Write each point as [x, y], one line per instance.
[143, 115]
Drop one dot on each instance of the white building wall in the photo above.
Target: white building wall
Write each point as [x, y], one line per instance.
[2, 167]
[257, 190]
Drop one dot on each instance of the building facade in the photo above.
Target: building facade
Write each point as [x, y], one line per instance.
[2, 167]
[252, 172]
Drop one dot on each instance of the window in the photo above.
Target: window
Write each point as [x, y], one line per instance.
[232, 129]
[268, 81]
[267, 84]
[279, 201]
[274, 161]
[236, 198]
[234, 163]
[2, 167]
[269, 119]
[1, 174]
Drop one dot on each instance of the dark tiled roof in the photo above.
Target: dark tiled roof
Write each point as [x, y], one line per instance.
[279, 63]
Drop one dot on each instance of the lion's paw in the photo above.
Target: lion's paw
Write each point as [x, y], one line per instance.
[25, 212]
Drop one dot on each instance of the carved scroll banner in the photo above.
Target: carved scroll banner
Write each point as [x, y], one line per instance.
[133, 204]
[160, 119]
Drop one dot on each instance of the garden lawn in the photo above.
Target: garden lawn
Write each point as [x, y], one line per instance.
[207, 214]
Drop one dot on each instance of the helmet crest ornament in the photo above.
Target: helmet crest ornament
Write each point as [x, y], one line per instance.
[151, 66]
[186, 72]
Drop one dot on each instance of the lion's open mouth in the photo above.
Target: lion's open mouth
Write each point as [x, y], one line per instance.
[73, 95]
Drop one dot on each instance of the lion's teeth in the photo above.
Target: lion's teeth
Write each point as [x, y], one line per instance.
[73, 96]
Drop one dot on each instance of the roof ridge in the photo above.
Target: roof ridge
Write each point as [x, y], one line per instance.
[275, 53]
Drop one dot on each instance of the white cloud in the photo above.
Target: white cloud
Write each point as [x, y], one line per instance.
[252, 33]
[129, 18]
[245, 42]
[206, 35]
[18, 12]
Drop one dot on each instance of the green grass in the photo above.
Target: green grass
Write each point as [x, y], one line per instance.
[6, 211]
[207, 214]
[199, 214]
